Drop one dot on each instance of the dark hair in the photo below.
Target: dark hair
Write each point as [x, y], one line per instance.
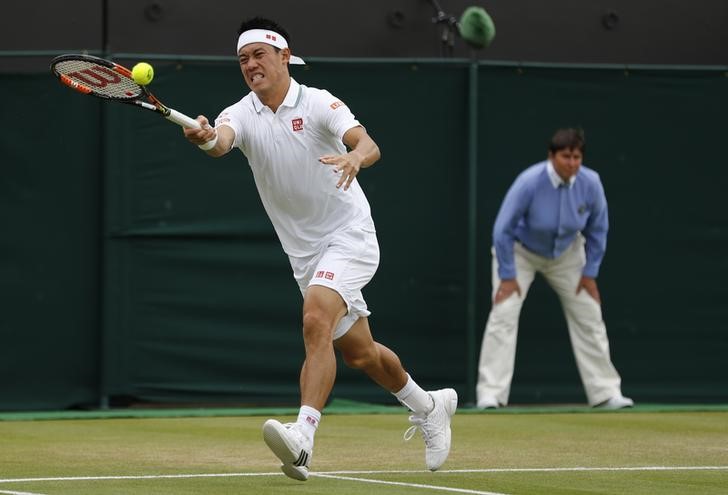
[569, 138]
[262, 23]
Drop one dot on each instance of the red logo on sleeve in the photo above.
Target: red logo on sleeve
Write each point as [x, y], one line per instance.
[336, 104]
[297, 124]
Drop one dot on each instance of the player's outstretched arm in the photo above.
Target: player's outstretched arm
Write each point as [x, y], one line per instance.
[215, 141]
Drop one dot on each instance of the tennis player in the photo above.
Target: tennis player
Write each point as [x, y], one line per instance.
[295, 139]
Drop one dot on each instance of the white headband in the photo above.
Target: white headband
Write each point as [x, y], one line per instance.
[269, 37]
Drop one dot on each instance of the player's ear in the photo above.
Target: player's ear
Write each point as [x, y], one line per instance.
[286, 54]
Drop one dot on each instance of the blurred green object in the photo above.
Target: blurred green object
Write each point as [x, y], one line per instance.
[476, 27]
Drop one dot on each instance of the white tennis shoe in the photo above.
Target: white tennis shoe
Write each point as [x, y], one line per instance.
[435, 427]
[617, 402]
[488, 402]
[291, 446]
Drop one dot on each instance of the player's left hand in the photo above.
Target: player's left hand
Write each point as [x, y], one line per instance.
[589, 284]
[348, 164]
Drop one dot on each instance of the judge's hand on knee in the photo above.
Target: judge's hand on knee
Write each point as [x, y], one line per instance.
[506, 289]
[589, 284]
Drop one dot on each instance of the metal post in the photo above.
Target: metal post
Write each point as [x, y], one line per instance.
[472, 256]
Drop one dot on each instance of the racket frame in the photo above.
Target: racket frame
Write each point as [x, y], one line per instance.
[152, 103]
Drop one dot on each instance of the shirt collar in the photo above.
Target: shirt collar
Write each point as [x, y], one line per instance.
[556, 181]
[291, 99]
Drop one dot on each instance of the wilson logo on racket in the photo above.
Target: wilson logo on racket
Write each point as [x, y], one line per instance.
[99, 77]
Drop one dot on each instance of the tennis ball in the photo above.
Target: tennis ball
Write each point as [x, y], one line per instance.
[142, 73]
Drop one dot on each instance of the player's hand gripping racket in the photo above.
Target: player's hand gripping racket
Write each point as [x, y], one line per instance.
[104, 79]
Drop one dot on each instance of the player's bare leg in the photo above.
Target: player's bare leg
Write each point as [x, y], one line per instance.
[431, 410]
[293, 442]
[360, 351]
[322, 310]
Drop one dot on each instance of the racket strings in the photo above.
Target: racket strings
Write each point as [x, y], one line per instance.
[101, 80]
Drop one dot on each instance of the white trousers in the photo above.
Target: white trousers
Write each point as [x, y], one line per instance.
[587, 330]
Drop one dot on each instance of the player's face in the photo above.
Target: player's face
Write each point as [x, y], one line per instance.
[264, 68]
[566, 162]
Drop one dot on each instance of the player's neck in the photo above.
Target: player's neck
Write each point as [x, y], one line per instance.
[274, 98]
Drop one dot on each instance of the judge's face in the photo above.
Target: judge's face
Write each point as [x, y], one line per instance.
[566, 162]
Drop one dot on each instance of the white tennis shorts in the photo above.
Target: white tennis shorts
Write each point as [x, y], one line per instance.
[346, 263]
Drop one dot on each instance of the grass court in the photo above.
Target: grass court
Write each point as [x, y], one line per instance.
[515, 451]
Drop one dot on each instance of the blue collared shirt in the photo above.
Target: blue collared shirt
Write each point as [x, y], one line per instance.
[545, 214]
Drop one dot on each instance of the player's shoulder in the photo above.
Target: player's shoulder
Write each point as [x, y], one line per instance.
[246, 103]
[313, 93]
[321, 98]
[238, 115]
[241, 108]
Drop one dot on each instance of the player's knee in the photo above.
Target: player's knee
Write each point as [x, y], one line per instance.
[314, 318]
[316, 325]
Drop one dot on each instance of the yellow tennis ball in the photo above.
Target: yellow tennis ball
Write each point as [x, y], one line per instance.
[142, 73]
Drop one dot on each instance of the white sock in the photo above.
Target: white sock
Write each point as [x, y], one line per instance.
[413, 397]
[308, 419]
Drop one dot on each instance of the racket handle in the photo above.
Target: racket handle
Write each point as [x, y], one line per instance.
[182, 119]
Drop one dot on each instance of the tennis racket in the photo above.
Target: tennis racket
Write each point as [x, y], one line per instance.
[108, 80]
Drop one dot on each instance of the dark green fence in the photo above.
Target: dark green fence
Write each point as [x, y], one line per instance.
[134, 268]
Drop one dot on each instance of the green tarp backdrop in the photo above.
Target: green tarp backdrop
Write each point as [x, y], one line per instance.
[134, 268]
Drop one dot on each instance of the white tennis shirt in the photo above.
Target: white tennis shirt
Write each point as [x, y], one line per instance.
[298, 192]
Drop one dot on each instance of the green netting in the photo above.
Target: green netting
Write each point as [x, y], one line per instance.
[134, 268]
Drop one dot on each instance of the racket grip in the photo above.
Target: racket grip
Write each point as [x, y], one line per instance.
[182, 119]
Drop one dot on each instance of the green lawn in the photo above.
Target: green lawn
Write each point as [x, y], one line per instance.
[634, 452]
